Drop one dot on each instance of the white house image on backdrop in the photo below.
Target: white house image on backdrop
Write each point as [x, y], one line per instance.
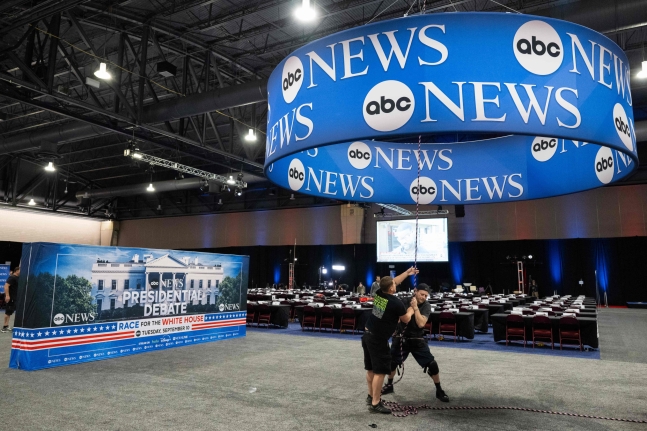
[111, 279]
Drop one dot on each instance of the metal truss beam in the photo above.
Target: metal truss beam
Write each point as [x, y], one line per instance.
[157, 161]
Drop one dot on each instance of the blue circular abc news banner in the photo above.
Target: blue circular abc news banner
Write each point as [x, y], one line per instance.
[558, 92]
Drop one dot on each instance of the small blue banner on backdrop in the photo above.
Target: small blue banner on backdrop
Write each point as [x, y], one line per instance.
[4, 274]
[557, 94]
[81, 303]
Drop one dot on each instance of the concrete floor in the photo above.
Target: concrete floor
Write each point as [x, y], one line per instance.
[310, 383]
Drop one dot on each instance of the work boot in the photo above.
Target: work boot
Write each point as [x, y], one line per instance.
[442, 396]
[379, 408]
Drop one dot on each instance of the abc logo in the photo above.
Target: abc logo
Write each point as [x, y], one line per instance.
[538, 48]
[221, 307]
[621, 124]
[59, 319]
[388, 106]
[296, 174]
[543, 148]
[292, 78]
[359, 155]
[425, 192]
[604, 165]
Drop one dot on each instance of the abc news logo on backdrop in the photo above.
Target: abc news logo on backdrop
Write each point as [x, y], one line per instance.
[621, 124]
[543, 148]
[538, 48]
[291, 78]
[388, 106]
[604, 165]
[296, 174]
[423, 191]
[359, 155]
[61, 318]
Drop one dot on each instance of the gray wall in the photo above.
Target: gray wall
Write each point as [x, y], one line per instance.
[601, 213]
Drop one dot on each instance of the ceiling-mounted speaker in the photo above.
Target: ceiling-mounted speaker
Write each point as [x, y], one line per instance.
[460, 210]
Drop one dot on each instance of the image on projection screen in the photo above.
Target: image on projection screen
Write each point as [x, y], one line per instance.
[396, 240]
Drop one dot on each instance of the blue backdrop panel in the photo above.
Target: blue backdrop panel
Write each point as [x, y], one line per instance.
[554, 94]
[4, 274]
[81, 303]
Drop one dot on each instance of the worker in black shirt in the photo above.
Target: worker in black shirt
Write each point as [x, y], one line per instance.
[10, 295]
[412, 340]
[387, 311]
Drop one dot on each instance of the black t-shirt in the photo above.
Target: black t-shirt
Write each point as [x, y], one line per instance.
[412, 329]
[12, 281]
[387, 310]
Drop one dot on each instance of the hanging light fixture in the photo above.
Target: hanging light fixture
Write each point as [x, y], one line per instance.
[150, 188]
[31, 202]
[239, 192]
[251, 136]
[643, 73]
[50, 167]
[305, 12]
[231, 180]
[102, 73]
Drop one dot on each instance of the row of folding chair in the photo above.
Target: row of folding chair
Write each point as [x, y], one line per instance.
[542, 329]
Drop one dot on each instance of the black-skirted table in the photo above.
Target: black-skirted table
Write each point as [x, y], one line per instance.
[361, 316]
[464, 324]
[588, 329]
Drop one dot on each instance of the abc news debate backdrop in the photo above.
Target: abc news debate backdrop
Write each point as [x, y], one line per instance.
[79, 303]
[560, 91]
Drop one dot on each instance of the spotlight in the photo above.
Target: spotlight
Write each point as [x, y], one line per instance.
[305, 12]
[338, 267]
[102, 73]
[324, 270]
[240, 176]
[251, 136]
[50, 167]
[31, 203]
[231, 180]
[643, 72]
[530, 256]
[239, 192]
[150, 188]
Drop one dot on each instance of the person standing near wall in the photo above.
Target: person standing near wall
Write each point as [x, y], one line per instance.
[11, 293]
[375, 286]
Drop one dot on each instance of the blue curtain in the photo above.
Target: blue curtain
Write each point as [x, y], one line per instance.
[556, 263]
[456, 262]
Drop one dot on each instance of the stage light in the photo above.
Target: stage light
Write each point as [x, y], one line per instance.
[330, 283]
[324, 271]
[530, 256]
[102, 73]
[31, 203]
[251, 136]
[338, 267]
[50, 167]
[231, 180]
[305, 12]
[643, 73]
[150, 188]
[239, 192]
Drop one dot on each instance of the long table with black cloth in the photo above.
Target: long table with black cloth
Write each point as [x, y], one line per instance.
[279, 315]
[361, 316]
[464, 324]
[588, 329]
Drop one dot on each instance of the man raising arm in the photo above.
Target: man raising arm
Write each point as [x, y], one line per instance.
[387, 311]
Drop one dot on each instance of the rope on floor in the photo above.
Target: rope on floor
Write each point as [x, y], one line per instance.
[401, 411]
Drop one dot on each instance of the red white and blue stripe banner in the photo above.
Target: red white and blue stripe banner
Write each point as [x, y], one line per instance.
[33, 349]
